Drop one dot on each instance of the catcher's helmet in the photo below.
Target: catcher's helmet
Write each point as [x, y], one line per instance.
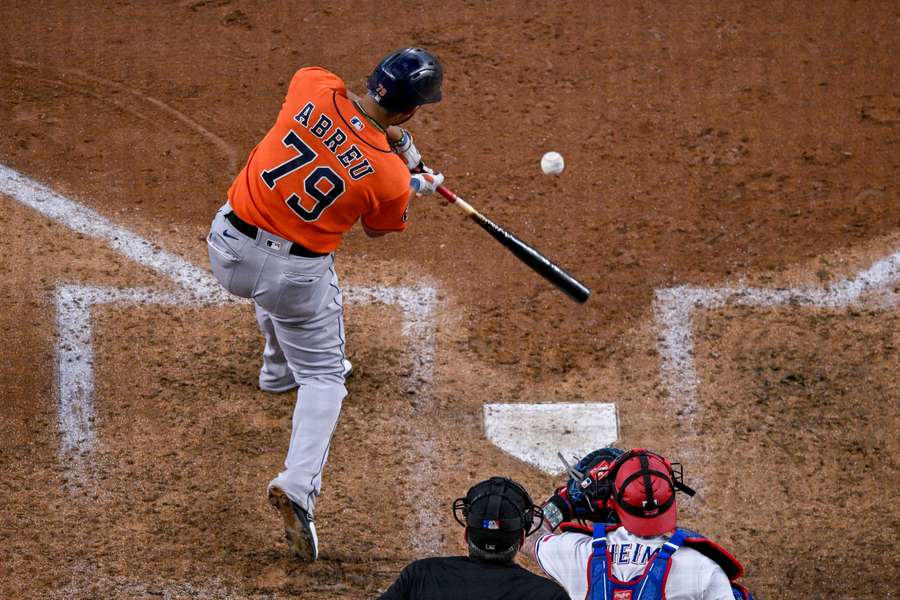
[406, 79]
[643, 495]
[589, 487]
[496, 512]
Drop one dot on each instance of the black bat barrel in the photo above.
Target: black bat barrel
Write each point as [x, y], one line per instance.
[537, 261]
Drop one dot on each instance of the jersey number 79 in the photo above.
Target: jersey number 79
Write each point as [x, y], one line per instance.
[305, 156]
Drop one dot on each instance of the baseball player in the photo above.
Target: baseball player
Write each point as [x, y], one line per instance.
[625, 544]
[498, 514]
[330, 159]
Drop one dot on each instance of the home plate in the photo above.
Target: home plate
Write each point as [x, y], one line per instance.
[535, 433]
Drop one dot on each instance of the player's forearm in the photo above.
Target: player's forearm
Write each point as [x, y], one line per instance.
[528, 548]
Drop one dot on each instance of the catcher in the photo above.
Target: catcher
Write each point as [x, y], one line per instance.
[615, 520]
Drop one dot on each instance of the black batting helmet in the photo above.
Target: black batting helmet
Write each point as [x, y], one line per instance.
[406, 79]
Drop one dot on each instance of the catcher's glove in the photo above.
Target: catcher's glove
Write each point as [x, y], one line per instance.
[585, 497]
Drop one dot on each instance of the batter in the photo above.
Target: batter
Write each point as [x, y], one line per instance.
[330, 159]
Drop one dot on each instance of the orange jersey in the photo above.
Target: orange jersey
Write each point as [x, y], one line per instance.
[320, 168]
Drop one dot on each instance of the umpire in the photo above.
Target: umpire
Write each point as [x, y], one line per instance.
[498, 514]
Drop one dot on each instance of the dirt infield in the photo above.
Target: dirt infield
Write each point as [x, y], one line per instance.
[706, 146]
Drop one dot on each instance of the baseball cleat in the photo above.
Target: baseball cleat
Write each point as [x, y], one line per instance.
[299, 529]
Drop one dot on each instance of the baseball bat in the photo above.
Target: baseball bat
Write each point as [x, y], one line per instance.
[527, 254]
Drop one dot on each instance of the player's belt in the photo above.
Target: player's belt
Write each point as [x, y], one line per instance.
[251, 230]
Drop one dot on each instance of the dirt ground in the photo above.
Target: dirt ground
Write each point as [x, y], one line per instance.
[706, 144]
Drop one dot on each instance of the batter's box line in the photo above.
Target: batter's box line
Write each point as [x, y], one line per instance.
[75, 362]
[75, 355]
[419, 313]
[194, 281]
[674, 310]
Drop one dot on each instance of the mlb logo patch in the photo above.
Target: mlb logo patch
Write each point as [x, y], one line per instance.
[622, 595]
[273, 244]
[486, 524]
[357, 123]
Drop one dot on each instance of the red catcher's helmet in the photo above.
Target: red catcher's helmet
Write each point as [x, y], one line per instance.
[644, 485]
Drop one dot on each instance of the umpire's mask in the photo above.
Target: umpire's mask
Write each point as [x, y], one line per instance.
[496, 512]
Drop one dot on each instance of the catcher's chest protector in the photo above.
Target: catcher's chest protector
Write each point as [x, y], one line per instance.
[650, 585]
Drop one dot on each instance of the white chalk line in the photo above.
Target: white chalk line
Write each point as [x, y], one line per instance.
[75, 356]
[73, 302]
[674, 310]
[423, 465]
[197, 282]
[221, 144]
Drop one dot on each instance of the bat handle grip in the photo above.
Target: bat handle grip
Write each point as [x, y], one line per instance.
[442, 190]
[446, 193]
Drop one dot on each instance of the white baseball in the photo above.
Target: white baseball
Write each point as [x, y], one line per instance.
[552, 163]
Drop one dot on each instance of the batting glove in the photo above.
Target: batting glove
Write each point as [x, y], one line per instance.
[558, 508]
[425, 184]
[405, 148]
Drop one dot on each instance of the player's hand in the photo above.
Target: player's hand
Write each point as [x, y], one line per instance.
[425, 184]
[406, 149]
[558, 508]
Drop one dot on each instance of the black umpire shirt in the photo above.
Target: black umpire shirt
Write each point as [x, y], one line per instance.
[464, 578]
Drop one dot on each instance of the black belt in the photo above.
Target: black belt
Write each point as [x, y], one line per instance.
[250, 231]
